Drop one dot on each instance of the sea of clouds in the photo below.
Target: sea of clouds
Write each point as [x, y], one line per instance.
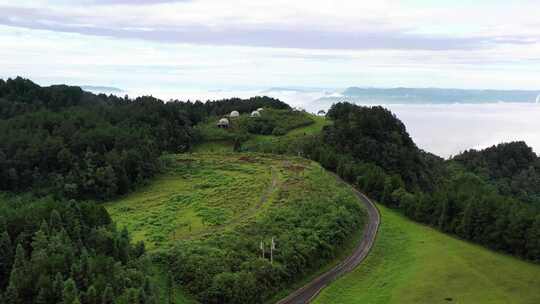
[449, 129]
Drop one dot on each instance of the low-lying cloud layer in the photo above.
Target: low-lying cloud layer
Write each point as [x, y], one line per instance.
[450, 129]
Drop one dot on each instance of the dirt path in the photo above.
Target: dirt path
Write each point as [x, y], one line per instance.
[307, 293]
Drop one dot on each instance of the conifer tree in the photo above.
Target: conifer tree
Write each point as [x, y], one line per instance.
[55, 222]
[19, 277]
[6, 255]
[45, 289]
[58, 286]
[108, 296]
[91, 295]
[70, 292]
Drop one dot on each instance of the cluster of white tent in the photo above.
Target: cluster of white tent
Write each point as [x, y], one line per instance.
[224, 122]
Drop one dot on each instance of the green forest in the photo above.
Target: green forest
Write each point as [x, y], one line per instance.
[64, 152]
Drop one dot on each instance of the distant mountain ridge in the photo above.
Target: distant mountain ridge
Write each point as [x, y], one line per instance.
[436, 95]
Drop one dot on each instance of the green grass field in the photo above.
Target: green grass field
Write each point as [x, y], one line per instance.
[412, 263]
[197, 195]
[314, 128]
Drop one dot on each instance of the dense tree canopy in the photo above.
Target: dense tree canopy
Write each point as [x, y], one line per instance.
[374, 134]
[62, 251]
[512, 167]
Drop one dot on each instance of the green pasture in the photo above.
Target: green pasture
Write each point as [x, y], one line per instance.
[412, 263]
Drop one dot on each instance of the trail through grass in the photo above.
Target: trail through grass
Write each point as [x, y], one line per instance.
[412, 263]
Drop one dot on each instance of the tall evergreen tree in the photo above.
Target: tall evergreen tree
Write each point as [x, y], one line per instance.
[6, 256]
[70, 293]
[19, 278]
[55, 222]
[58, 286]
[108, 296]
[91, 296]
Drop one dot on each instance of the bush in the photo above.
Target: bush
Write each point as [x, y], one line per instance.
[278, 131]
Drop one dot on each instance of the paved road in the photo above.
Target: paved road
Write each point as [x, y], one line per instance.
[307, 293]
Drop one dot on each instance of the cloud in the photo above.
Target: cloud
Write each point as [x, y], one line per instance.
[259, 36]
[450, 129]
[301, 25]
[122, 2]
[302, 39]
[260, 44]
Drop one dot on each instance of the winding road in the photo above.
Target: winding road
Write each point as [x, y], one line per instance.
[307, 293]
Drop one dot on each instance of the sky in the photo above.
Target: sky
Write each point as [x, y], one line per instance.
[183, 45]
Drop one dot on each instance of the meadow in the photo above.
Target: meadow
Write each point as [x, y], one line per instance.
[196, 195]
[412, 263]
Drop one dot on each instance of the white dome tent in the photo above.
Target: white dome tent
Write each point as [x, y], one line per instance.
[223, 123]
[255, 114]
[234, 114]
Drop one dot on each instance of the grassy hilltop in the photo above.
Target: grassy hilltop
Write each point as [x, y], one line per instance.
[273, 125]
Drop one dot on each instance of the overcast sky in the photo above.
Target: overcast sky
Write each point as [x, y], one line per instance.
[250, 44]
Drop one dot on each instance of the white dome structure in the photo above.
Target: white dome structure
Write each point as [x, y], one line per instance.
[223, 123]
[260, 109]
[255, 114]
[234, 114]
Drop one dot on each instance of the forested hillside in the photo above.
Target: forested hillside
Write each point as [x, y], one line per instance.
[376, 136]
[61, 146]
[67, 252]
[369, 147]
[512, 167]
[75, 144]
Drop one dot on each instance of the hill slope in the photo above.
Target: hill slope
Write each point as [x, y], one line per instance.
[412, 263]
[207, 218]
